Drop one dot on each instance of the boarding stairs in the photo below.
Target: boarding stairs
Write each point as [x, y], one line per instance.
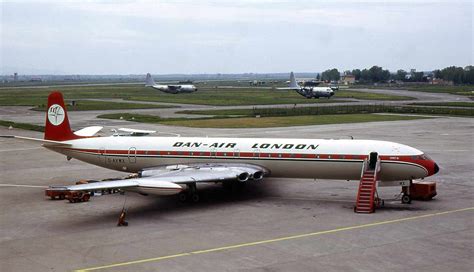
[366, 195]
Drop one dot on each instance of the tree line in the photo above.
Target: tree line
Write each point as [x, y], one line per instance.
[458, 75]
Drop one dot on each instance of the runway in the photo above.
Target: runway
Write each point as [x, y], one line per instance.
[276, 225]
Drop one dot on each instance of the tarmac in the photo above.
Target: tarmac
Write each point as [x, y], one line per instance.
[274, 225]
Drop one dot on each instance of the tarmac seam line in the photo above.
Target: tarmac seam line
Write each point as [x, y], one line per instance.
[274, 240]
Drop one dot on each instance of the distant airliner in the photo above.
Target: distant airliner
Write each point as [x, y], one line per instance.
[174, 89]
[168, 165]
[308, 91]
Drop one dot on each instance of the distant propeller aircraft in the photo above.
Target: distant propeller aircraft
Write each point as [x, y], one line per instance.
[308, 91]
[174, 89]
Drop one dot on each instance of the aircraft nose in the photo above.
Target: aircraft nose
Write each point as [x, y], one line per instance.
[435, 168]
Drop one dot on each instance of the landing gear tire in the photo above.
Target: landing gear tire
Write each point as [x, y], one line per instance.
[195, 198]
[190, 194]
[182, 197]
[406, 199]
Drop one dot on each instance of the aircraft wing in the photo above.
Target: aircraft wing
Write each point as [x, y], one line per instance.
[41, 141]
[101, 185]
[206, 172]
[167, 179]
[159, 186]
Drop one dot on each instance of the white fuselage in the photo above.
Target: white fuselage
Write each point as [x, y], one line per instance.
[293, 158]
[315, 92]
[175, 88]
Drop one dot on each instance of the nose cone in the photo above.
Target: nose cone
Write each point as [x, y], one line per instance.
[432, 167]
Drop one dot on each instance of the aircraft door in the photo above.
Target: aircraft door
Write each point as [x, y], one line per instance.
[132, 155]
[373, 160]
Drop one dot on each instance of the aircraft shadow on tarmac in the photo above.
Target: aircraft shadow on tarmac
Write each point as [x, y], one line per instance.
[215, 196]
[211, 196]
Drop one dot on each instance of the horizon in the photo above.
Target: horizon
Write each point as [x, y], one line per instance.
[215, 74]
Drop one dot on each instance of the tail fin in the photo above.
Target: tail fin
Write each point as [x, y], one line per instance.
[57, 123]
[293, 83]
[149, 80]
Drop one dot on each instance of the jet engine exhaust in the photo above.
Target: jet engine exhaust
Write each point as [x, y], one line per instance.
[257, 175]
[243, 177]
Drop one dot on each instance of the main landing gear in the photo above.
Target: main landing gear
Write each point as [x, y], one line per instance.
[190, 194]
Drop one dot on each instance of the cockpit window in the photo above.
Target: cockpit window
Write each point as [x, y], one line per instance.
[421, 157]
[424, 157]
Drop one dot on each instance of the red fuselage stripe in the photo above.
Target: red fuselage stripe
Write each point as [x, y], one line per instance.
[247, 155]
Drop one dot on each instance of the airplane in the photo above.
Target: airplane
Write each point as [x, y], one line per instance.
[175, 165]
[174, 89]
[308, 91]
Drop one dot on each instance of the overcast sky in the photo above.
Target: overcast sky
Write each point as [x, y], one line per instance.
[162, 37]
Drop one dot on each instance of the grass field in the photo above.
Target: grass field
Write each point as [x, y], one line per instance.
[22, 125]
[142, 118]
[286, 121]
[447, 104]
[263, 122]
[38, 96]
[86, 105]
[204, 96]
[336, 109]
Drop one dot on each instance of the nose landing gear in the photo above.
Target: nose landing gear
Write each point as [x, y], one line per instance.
[406, 197]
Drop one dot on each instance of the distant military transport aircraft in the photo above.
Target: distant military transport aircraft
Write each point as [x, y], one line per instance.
[175, 165]
[174, 89]
[308, 91]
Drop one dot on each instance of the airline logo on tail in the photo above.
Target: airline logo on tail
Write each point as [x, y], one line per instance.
[56, 114]
[57, 124]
